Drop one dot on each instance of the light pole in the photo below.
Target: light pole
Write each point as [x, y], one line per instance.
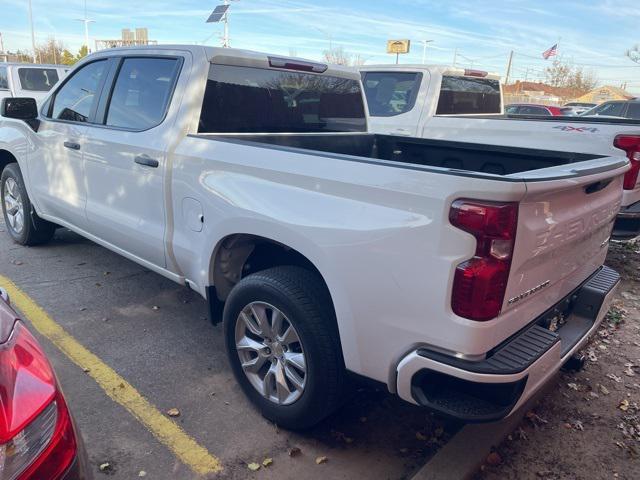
[86, 22]
[424, 49]
[33, 35]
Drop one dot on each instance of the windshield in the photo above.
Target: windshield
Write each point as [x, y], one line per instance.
[260, 100]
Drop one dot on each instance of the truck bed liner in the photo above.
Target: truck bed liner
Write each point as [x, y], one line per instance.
[471, 157]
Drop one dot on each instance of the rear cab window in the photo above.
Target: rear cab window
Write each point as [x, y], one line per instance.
[468, 95]
[391, 93]
[260, 100]
[37, 79]
[633, 111]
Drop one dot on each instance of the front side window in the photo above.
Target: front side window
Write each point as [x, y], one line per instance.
[4, 79]
[142, 92]
[75, 98]
[38, 79]
[512, 109]
[390, 93]
[467, 95]
[260, 100]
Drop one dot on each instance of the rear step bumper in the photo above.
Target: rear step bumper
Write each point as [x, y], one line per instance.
[627, 225]
[491, 389]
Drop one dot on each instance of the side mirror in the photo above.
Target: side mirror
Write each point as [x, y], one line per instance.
[21, 109]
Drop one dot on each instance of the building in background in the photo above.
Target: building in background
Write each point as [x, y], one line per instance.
[129, 39]
[605, 94]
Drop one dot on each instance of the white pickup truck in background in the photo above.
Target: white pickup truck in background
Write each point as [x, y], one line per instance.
[461, 105]
[436, 268]
[29, 80]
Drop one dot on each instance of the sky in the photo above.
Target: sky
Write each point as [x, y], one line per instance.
[592, 34]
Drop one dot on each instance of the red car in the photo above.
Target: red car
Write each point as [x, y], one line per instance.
[538, 110]
[38, 439]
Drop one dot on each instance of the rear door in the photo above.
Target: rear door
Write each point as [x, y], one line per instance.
[126, 153]
[564, 224]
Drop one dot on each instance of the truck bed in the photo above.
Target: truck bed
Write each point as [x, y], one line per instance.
[459, 156]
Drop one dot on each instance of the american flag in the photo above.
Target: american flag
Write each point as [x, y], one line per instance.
[551, 52]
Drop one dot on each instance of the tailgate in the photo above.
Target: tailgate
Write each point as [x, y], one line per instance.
[564, 224]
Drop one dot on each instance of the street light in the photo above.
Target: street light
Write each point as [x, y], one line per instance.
[86, 22]
[424, 49]
[33, 35]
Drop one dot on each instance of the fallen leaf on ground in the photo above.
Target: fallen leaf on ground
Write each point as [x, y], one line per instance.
[615, 378]
[624, 405]
[294, 451]
[320, 460]
[142, 473]
[267, 461]
[578, 425]
[173, 412]
[253, 466]
[573, 386]
[421, 436]
[105, 467]
[604, 390]
[494, 459]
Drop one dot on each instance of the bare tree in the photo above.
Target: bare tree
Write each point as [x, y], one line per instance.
[50, 51]
[565, 75]
[634, 53]
[339, 56]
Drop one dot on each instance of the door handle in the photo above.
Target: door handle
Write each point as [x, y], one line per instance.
[147, 161]
[72, 145]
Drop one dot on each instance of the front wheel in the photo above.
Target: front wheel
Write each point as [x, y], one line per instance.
[23, 224]
[283, 345]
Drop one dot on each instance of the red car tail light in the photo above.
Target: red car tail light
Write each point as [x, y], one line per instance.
[480, 283]
[631, 145]
[37, 439]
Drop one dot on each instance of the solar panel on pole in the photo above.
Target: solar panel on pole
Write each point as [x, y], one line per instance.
[218, 13]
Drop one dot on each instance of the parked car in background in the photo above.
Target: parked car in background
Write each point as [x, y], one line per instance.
[29, 80]
[434, 267]
[460, 105]
[38, 438]
[536, 109]
[580, 107]
[616, 109]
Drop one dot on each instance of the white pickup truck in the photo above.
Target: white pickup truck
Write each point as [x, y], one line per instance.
[252, 180]
[28, 79]
[465, 105]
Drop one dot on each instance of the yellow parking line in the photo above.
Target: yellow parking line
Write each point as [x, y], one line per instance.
[121, 391]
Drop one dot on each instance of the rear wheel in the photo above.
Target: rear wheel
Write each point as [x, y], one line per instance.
[23, 224]
[283, 345]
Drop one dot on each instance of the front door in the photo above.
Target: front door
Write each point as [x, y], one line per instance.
[56, 168]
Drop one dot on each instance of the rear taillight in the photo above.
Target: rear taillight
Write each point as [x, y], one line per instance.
[36, 435]
[631, 145]
[480, 283]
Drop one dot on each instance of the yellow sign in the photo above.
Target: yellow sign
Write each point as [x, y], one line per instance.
[398, 46]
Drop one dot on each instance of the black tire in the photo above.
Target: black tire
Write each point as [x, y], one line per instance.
[305, 301]
[35, 230]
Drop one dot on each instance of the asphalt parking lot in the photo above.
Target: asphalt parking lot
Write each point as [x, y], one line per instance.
[155, 335]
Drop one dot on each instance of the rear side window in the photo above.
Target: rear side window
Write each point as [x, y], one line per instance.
[142, 92]
[38, 79]
[259, 100]
[465, 95]
[615, 109]
[390, 93]
[4, 80]
[633, 111]
[73, 101]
